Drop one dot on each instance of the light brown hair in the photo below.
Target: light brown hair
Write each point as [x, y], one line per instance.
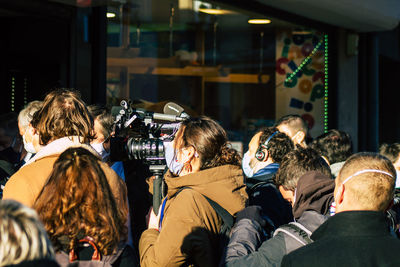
[77, 201]
[64, 114]
[369, 190]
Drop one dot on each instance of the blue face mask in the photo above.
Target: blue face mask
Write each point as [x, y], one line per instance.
[248, 171]
[170, 157]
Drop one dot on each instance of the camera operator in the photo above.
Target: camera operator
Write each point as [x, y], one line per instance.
[186, 230]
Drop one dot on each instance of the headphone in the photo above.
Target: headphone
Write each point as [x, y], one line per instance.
[260, 154]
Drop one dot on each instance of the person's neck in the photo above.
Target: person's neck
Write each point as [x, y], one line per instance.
[262, 165]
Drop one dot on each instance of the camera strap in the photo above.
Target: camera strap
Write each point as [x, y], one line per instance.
[162, 213]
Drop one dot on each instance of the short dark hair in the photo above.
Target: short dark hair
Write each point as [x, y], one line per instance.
[391, 151]
[298, 162]
[278, 146]
[335, 145]
[64, 114]
[294, 121]
[104, 117]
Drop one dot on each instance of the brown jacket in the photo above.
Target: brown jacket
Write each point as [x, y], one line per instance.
[190, 225]
[26, 184]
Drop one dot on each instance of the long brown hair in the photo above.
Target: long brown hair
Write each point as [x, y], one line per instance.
[77, 201]
[210, 141]
[64, 114]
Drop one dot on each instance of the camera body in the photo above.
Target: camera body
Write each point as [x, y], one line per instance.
[140, 134]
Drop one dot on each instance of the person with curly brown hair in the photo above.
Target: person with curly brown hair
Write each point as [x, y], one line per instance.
[62, 122]
[77, 204]
[187, 229]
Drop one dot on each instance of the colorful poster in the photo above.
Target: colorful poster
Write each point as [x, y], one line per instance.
[304, 93]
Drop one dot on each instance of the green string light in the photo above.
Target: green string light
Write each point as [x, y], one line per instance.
[305, 62]
[12, 93]
[326, 83]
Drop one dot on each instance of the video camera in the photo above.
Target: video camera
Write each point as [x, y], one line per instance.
[141, 135]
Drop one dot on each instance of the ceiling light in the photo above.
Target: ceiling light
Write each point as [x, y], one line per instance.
[110, 15]
[214, 11]
[259, 21]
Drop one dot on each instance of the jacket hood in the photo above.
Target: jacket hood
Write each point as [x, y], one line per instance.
[223, 184]
[58, 146]
[314, 191]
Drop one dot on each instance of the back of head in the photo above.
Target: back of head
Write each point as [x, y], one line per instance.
[335, 145]
[25, 116]
[391, 151]
[278, 146]
[64, 114]
[209, 140]
[369, 180]
[77, 201]
[294, 122]
[22, 235]
[298, 162]
[103, 116]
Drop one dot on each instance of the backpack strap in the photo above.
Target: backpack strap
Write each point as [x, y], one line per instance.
[226, 217]
[296, 231]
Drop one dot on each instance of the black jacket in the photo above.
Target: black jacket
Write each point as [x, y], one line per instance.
[246, 238]
[352, 238]
[263, 192]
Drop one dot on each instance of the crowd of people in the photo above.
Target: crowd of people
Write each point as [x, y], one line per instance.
[288, 201]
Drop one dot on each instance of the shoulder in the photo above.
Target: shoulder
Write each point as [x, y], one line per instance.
[190, 204]
[27, 182]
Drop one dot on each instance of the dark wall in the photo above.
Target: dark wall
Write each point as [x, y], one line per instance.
[389, 86]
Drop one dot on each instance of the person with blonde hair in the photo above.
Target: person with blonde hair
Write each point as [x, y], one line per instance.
[23, 240]
[358, 235]
[77, 207]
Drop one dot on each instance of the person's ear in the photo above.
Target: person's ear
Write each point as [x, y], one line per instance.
[340, 194]
[188, 153]
[299, 137]
[266, 157]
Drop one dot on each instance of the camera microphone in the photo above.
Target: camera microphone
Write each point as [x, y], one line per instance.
[172, 108]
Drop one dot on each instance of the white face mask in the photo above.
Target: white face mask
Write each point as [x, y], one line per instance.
[101, 150]
[397, 179]
[29, 147]
[170, 157]
[247, 169]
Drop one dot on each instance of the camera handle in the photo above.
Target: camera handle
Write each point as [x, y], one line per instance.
[158, 186]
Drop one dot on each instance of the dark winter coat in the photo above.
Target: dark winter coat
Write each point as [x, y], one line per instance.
[263, 192]
[314, 195]
[247, 237]
[351, 238]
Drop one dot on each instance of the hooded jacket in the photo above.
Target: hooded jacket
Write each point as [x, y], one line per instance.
[26, 184]
[190, 226]
[314, 193]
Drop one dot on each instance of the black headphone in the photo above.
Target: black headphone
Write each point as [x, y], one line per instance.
[260, 154]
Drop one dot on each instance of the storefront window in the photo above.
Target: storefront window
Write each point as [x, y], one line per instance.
[213, 60]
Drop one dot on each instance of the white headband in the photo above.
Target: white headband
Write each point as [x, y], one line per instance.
[365, 171]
